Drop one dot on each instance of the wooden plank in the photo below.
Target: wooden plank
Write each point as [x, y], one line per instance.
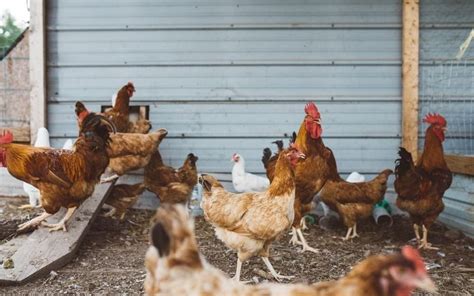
[460, 164]
[20, 134]
[37, 48]
[410, 47]
[43, 251]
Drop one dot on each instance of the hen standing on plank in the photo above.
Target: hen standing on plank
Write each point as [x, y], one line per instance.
[64, 178]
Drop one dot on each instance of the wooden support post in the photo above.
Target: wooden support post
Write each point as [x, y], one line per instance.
[410, 44]
[37, 43]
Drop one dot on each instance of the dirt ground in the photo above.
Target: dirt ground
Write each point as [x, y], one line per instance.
[110, 260]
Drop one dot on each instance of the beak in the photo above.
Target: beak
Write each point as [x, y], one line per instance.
[319, 121]
[445, 129]
[302, 155]
[426, 284]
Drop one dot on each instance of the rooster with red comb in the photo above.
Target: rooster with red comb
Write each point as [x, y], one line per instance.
[420, 187]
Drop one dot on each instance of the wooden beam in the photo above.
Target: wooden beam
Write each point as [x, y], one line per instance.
[40, 252]
[410, 56]
[37, 44]
[20, 134]
[460, 164]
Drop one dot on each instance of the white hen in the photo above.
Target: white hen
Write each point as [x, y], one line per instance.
[42, 140]
[243, 181]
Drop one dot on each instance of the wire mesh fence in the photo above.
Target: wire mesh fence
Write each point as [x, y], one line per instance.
[447, 87]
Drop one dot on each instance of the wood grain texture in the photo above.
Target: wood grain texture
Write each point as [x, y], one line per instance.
[37, 67]
[40, 252]
[410, 57]
[460, 164]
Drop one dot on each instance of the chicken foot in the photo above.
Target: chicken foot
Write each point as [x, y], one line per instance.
[33, 223]
[28, 206]
[424, 241]
[275, 274]
[61, 224]
[303, 242]
[294, 237]
[416, 228]
[350, 230]
[237, 272]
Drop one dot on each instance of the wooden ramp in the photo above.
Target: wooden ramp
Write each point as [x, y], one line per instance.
[39, 252]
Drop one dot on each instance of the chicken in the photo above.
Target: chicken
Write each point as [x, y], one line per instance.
[243, 181]
[120, 112]
[64, 178]
[353, 201]
[42, 140]
[170, 185]
[122, 197]
[311, 174]
[175, 267]
[250, 222]
[127, 151]
[420, 188]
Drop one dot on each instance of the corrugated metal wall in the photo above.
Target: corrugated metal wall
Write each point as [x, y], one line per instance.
[232, 76]
[447, 86]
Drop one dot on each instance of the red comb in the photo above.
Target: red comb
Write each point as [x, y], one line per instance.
[6, 137]
[311, 110]
[414, 256]
[435, 118]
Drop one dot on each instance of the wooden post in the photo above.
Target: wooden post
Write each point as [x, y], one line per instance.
[410, 44]
[37, 43]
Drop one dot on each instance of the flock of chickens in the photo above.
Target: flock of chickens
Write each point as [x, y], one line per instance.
[247, 222]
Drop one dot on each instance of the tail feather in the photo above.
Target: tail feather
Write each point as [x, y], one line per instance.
[279, 144]
[267, 154]
[404, 163]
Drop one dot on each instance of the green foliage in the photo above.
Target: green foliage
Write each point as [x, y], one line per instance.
[9, 31]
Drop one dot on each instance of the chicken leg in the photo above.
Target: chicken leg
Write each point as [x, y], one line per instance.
[294, 237]
[303, 224]
[33, 223]
[275, 274]
[237, 272]
[305, 245]
[424, 241]
[62, 223]
[109, 179]
[416, 228]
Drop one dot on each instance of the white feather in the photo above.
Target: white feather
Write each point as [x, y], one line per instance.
[355, 177]
[246, 182]
[68, 144]
[42, 140]
[114, 98]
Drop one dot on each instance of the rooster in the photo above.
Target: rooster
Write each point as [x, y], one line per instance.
[120, 112]
[243, 181]
[250, 222]
[311, 174]
[64, 178]
[170, 185]
[421, 187]
[175, 267]
[127, 151]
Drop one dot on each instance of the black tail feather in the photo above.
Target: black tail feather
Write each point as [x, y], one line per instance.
[404, 163]
[279, 144]
[267, 154]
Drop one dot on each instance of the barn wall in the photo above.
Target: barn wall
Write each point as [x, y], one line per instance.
[14, 101]
[447, 87]
[233, 76]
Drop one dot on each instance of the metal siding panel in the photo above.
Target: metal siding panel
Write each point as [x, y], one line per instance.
[233, 76]
[218, 14]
